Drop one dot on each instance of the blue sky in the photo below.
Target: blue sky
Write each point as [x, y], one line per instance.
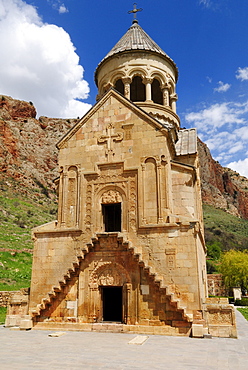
[51, 49]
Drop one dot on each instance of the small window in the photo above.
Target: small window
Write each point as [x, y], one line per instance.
[112, 217]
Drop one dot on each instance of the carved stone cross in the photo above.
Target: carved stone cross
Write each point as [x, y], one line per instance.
[109, 138]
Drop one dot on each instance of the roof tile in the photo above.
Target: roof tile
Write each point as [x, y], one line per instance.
[136, 39]
[187, 143]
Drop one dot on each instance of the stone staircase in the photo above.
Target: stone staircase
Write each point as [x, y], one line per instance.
[70, 273]
[137, 255]
[157, 279]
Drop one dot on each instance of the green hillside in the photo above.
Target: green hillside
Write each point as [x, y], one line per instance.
[20, 211]
[221, 228]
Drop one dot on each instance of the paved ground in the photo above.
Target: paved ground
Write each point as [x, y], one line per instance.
[80, 350]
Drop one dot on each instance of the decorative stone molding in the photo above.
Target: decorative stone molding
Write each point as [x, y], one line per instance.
[103, 191]
[88, 202]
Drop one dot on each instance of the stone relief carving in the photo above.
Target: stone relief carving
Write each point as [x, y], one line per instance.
[111, 196]
[110, 138]
[221, 317]
[109, 243]
[107, 273]
[170, 257]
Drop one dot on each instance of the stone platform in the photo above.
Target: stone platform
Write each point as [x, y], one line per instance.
[113, 328]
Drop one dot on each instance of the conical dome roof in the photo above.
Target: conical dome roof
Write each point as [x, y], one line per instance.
[136, 39]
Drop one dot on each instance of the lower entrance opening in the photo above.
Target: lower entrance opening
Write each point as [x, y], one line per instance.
[112, 303]
[112, 216]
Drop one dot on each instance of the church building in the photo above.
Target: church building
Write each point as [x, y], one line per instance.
[127, 250]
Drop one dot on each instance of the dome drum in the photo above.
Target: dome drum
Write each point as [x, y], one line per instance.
[141, 71]
[145, 78]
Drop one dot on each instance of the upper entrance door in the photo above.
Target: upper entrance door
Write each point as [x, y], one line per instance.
[112, 216]
[112, 303]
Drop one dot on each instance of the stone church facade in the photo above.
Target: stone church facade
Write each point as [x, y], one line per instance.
[128, 246]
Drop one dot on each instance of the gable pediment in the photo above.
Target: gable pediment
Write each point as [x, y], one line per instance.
[120, 104]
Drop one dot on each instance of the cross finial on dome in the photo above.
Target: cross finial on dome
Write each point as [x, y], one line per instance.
[134, 11]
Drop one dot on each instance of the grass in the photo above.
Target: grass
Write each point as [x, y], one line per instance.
[20, 211]
[3, 311]
[229, 231]
[18, 217]
[15, 270]
[244, 312]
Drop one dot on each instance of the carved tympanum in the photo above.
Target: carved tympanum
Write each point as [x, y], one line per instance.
[111, 196]
[109, 274]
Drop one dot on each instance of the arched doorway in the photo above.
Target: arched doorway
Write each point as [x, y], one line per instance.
[110, 287]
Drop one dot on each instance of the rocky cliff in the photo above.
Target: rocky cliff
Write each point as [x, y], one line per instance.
[27, 145]
[222, 187]
[28, 154]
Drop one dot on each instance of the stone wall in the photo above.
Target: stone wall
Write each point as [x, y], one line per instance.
[220, 318]
[216, 285]
[5, 297]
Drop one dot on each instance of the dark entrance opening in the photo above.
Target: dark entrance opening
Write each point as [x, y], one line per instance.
[112, 303]
[112, 217]
[119, 86]
[137, 89]
[157, 95]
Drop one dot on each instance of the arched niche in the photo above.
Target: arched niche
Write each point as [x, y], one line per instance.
[137, 90]
[157, 95]
[72, 195]
[150, 191]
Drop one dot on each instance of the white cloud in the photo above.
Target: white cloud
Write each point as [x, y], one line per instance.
[241, 166]
[223, 127]
[217, 115]
[242, 74]
[38, 62]
[222, 87]
[241, 133]
[58, 5]
[214, 5]
[206, 3]
[63, 9]
[220, 141]
[236, 147]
